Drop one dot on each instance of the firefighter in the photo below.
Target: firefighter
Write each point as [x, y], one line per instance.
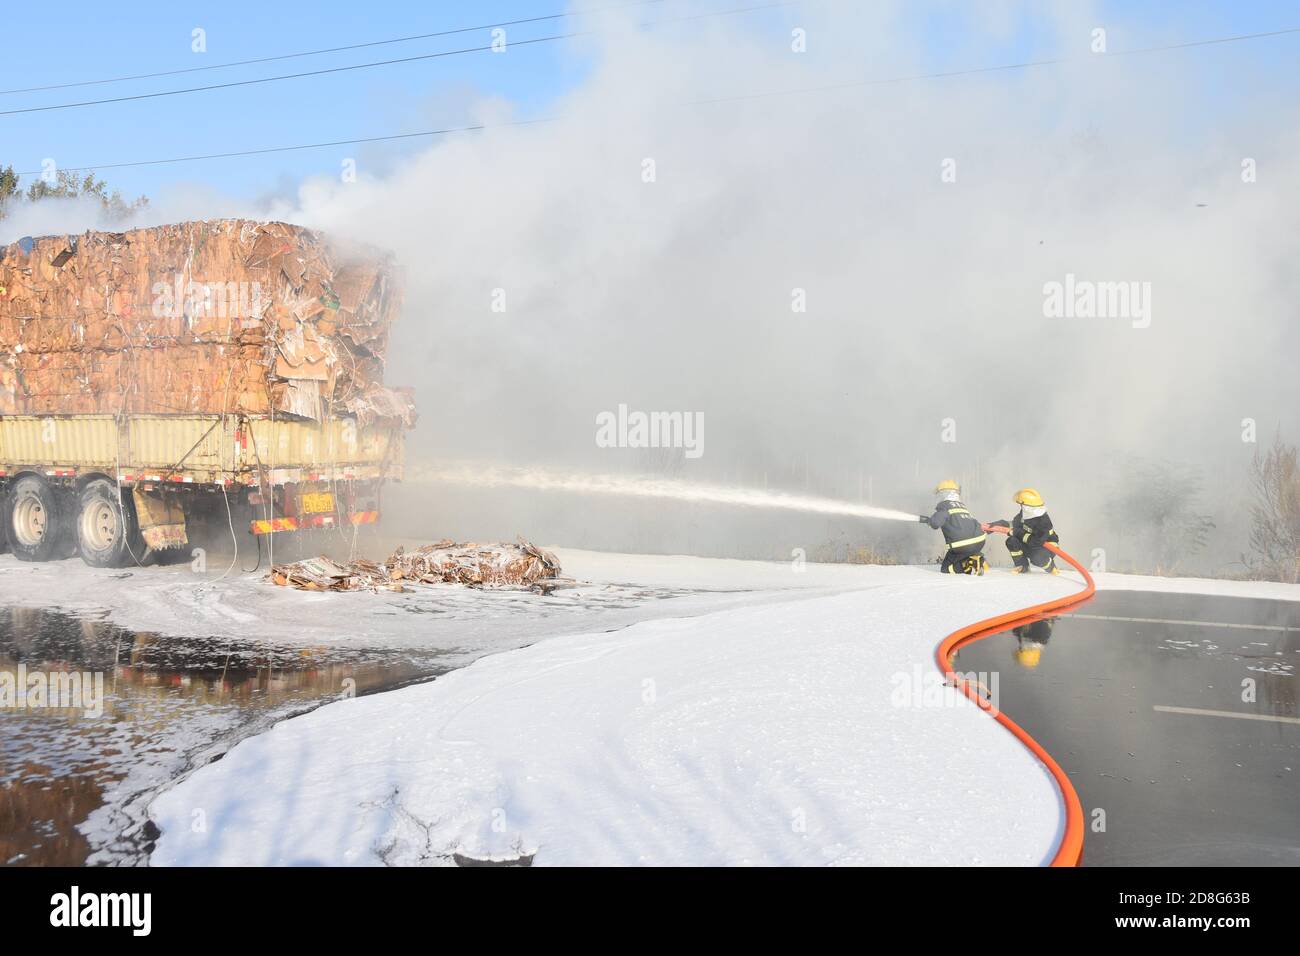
[1031, 530]
[1030, 641]
[962, 532]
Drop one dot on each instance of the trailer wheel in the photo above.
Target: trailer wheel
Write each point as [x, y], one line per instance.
[34, 520]
[106, 526]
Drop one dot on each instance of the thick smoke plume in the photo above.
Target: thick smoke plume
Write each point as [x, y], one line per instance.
[850, 285]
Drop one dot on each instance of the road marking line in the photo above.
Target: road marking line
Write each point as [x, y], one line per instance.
[1162, 620]
[1225, 713]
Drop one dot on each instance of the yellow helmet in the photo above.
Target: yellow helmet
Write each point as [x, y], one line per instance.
[947, 485]
[1030, 497]
[1028, 655]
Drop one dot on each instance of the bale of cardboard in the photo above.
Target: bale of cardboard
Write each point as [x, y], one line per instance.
[211, 317]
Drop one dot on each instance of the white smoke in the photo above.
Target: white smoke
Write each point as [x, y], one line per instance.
[924, 299]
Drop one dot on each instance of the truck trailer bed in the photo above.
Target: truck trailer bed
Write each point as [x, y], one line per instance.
[141, 482]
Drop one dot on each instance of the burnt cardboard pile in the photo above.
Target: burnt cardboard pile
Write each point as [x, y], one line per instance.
[495, 565]
[200, 317]
[500, 565]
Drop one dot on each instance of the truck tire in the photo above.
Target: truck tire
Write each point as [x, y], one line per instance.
[107, 530]
[34, 520]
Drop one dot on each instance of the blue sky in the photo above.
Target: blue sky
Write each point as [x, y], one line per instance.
[46, 45]
[152, 36]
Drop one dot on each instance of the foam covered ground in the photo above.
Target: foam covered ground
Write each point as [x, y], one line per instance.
[672, 709]
[787, 733]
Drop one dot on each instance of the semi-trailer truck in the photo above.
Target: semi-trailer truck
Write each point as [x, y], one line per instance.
[222, 372]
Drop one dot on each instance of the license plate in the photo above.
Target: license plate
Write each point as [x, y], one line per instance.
[314, 504]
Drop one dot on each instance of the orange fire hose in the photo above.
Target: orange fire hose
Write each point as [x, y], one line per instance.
[1071, 848]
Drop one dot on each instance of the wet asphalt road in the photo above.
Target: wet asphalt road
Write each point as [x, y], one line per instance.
[1180, 731]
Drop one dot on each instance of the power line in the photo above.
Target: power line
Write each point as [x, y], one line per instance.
[285, 149]
[335, 49]
[1196, 43]
[287, 76]
[1028, 64]
[376, 63]
[744, 96]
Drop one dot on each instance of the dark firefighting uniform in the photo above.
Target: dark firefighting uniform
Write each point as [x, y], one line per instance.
[964, 535]
[1026, 540]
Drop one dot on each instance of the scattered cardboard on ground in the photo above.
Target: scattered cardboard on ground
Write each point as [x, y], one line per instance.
[491, 564]
[207, 317]
[323, 574]
[500, 565]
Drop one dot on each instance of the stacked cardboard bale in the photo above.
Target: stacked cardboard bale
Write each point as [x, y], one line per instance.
[199, 317]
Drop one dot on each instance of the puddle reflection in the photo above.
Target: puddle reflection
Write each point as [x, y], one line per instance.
[1161, 709]
[73, 781]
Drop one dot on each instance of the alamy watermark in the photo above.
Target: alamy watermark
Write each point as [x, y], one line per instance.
[184, 298]
[22, 689]
[1085, 299]
[633, 429]
[927, 688]
[133, 911]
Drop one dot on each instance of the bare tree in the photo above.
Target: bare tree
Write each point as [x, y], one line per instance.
[1155, 504]
[1275, 513]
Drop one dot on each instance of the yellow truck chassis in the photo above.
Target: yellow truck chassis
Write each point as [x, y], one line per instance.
[95, 482]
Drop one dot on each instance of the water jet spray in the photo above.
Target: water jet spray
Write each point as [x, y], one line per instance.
[641, 486]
